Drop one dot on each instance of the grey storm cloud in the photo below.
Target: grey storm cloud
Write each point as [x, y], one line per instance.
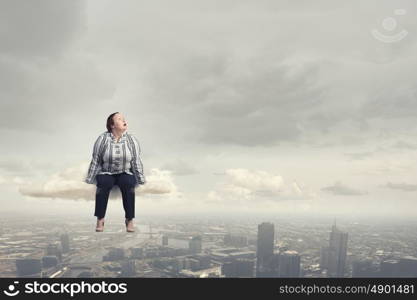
[338, 188]
[393, 103]
[39, 78]
[42, 28]
[253, 102]
[406, 187]
[268, 96]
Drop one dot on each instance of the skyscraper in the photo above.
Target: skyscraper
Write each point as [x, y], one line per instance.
[65, 242]
[337, 252]
[195, 244]
[240, 267]
[324, 257]
[164, 240]
[289, 264]
[28, 266]
[54, 249]
[265, 250]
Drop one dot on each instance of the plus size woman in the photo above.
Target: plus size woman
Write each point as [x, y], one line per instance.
[116, 161]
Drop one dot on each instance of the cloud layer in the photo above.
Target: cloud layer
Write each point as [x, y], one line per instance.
[255, 188]
[69, 185]
[292, 101]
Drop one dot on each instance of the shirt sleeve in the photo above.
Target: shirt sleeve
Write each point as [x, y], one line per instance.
[95, 166]
[137, 165]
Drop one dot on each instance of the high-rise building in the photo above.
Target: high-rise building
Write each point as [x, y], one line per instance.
[265, 250]
[274, 265]
[28, 266]
[324, 257]
[337, 252]
[65, 242]
[49, 261]
[240, 267]
[54, 249]
[204, 260]
[289, 264]
[164, 240]
[194, 264]
[195, 244]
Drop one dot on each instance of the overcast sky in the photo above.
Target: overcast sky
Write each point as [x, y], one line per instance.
[240, 106]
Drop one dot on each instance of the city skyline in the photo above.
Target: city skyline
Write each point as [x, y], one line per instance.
[206, 247]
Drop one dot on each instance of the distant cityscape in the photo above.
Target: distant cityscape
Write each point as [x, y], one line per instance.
[52, 247]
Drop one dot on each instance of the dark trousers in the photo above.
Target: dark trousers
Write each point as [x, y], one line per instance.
[126, 183]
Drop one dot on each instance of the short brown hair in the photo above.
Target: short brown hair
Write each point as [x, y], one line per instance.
[110, 121]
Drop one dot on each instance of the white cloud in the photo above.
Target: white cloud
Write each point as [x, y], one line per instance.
[69, 184]
[339, 188]
[255, 188]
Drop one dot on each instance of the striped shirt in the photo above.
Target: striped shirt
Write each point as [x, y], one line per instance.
[114, 157]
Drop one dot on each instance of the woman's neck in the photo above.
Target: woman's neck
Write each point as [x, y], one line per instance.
[117, 134]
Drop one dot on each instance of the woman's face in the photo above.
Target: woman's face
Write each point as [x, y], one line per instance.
[120, 123]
